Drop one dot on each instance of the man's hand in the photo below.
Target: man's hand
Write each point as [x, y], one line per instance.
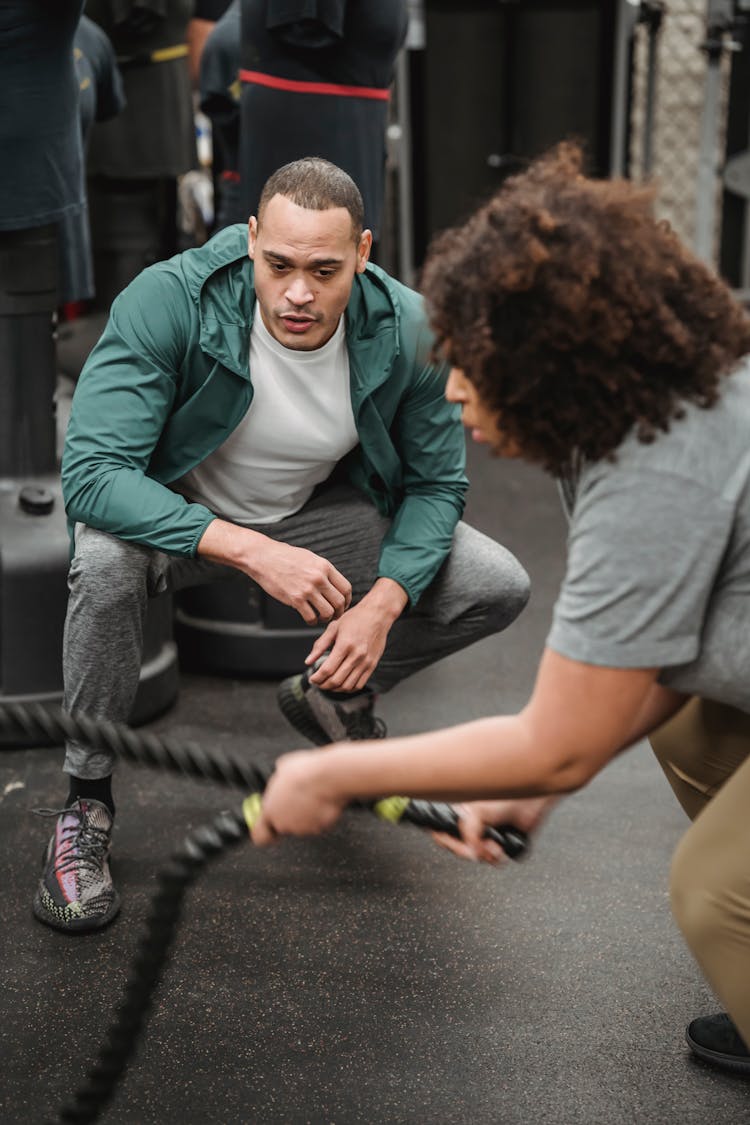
[299, 578]
[305, 581]
[297, 800]
[475, 816]
[356, 641]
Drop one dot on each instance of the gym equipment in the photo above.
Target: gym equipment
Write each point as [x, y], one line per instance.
[34, 542]
[541, 70]
[720, 22]
[234, 627]
[33, 536]
[131, 228]
[211, 840]
[651, 15]
[734, 256]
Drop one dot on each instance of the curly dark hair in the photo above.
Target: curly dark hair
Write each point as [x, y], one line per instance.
[576, 315]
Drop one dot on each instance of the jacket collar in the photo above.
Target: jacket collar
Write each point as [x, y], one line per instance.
[220, 280]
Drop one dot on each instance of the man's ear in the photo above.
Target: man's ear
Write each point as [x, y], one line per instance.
[363, 250]
[252, 236]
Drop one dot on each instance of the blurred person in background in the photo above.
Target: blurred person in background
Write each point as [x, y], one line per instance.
[101, 97]
[135, 160]
[316, 77]
[219, 99]
[206, 14]
[41, 151]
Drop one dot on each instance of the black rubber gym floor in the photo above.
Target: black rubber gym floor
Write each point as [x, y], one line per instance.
[367, 976]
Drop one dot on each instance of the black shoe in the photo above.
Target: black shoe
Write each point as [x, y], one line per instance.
[716, 1040]
[322, 718]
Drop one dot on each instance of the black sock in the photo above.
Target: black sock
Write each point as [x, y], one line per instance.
[97, 788]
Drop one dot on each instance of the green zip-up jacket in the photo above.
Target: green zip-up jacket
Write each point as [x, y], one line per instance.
[169, 380]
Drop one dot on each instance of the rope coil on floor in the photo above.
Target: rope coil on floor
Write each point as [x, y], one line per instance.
[202, 845]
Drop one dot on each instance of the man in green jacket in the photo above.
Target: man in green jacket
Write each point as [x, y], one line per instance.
[309, 446]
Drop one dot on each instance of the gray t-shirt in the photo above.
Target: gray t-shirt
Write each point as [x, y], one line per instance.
[658, 571]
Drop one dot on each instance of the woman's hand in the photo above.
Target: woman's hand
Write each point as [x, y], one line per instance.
[475, 816]
[298, 800]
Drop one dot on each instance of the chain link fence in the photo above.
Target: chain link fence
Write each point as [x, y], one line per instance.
[678, 100]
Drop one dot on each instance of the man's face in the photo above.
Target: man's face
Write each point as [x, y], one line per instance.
[305, 262]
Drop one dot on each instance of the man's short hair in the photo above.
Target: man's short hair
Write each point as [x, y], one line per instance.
[317, 185]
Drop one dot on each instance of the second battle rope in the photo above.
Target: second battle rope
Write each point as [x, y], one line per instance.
[205, 843]
[193, 760]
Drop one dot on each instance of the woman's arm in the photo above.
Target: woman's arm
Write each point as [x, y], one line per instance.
[528, 813]
[579, 716]
[659, 705]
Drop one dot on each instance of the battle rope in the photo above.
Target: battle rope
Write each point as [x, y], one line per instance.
[143, 748]
[205, 843]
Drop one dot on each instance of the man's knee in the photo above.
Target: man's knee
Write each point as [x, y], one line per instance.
[502, 586]
[106, 569]
[510, 591]
[483, 579]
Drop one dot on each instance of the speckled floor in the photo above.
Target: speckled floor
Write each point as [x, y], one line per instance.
[367, 976]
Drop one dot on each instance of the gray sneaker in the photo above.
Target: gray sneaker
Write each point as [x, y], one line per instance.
[322, 718]
[75, 892]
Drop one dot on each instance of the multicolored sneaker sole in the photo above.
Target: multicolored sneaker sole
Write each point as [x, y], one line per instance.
[75, 892]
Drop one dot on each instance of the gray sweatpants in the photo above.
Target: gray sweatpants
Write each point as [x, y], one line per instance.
[479, 590]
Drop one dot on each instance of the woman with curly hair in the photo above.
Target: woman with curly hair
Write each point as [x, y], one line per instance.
[586, 339]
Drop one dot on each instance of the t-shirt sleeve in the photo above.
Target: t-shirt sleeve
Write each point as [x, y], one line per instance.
[644, 549]
[218, 73]
[110, 92]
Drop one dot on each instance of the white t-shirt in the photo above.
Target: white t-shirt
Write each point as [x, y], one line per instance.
[298, 426]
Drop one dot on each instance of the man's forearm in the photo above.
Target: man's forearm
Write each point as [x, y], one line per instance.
[226, 543]
[387, 598]
[132, 506]
[293, 575]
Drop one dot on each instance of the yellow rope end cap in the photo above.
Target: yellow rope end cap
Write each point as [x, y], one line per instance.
[251, 809]
[391, 808]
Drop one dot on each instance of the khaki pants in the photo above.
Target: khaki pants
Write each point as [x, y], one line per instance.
[704, 752]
